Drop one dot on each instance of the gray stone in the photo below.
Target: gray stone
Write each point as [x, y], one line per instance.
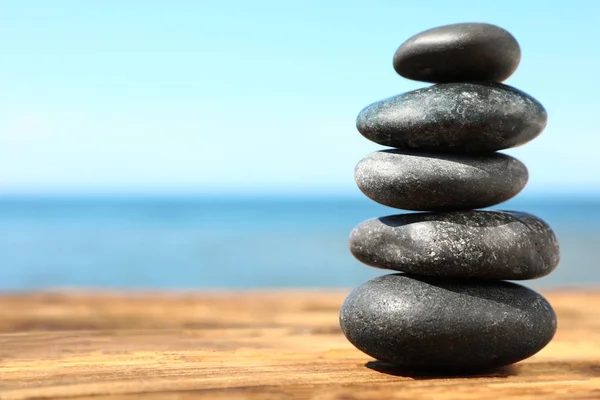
[459, 52]
[454, 117]
[462, 244]
[437, 324]
[439, 182]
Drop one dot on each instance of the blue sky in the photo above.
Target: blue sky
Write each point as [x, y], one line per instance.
[257, 96]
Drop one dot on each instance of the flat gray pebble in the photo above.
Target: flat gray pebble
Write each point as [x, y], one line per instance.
[439, 182]
[437, 324]
[459, 52]
[465, 244]
[465, 117]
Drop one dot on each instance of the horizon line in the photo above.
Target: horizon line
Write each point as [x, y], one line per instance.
[250, 195]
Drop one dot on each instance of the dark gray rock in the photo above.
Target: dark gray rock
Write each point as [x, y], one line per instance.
[437, 324]
[465, 117]
[462, 244]
[459, 52]
[434, 182]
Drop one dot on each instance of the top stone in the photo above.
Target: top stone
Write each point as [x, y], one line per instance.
[457, 53]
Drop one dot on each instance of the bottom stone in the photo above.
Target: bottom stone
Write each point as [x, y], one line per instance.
[450, 325]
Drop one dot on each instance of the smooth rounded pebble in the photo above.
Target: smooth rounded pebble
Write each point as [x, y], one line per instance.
[459, 52]
[437, 324]
[439, 182]
[462, 244]
[470, 117]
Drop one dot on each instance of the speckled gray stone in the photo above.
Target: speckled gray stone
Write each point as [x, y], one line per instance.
[459, 52]
[437, 324]
[439, 182]
[462, 244]
[454, 117]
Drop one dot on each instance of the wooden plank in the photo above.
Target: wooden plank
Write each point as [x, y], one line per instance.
[261, 345]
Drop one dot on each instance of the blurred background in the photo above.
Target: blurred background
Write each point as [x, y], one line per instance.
[201, 144]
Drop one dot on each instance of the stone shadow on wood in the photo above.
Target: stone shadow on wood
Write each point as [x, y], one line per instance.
[581, 369]
[391, 369]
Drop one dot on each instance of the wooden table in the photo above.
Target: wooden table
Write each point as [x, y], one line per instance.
[267, 345]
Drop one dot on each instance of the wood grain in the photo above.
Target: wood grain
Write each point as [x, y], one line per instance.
[262, 345]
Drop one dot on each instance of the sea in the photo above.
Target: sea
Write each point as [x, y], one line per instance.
[231, 242]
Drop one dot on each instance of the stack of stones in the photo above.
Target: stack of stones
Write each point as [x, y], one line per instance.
[450, 309]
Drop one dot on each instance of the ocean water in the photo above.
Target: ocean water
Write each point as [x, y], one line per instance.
[234, 243]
